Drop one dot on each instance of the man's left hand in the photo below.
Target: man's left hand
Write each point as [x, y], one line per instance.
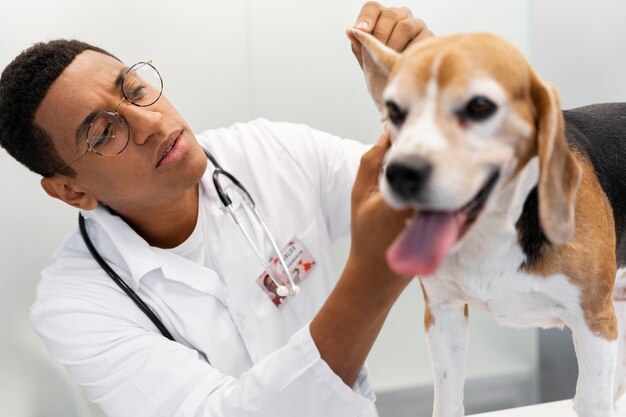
[396, 27]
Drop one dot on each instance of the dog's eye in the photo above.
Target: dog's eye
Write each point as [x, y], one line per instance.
[396, 114]
[478, 109]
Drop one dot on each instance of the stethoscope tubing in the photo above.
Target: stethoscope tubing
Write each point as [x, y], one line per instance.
[228, 204]
[118, 280]
[282, 289]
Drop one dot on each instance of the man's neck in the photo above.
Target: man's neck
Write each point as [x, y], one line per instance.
[170, 224]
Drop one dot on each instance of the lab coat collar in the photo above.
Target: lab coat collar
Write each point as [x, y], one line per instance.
[133, 250]
[139, 257]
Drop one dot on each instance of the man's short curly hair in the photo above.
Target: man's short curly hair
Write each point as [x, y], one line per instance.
[23, 85]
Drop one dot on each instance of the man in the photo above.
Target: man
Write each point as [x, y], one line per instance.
[113, 147]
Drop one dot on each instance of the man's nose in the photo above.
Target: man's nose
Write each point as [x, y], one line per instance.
[407, 178]
[144, 122]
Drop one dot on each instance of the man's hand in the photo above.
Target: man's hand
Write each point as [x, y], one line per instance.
[346, 326]
[394, 26]
[374, 223]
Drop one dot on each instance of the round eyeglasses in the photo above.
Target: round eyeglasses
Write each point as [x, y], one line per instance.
[108, 132]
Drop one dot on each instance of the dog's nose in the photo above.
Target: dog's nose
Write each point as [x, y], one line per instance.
[407, 179]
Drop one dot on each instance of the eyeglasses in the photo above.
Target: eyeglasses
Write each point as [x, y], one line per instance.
[108, 133]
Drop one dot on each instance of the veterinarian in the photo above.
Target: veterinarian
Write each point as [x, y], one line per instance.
[155, 304]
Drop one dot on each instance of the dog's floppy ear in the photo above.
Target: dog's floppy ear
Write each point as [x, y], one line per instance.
[560, 174]
[377, 62]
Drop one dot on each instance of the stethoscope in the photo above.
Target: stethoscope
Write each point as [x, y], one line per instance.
[282, 289]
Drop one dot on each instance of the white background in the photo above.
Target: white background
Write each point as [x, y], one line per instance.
[228, 61]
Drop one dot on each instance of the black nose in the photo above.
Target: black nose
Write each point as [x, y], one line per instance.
[407, 179]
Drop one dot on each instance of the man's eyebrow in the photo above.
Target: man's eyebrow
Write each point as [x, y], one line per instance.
[84, 126]
[120, 77]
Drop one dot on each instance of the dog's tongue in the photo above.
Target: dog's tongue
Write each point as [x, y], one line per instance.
[422, 245]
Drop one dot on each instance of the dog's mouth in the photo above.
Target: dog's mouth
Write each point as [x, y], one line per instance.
[423, 244]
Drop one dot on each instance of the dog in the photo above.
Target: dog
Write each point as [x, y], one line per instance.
[520, 208]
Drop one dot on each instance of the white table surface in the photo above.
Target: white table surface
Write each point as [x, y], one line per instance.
[556, 409]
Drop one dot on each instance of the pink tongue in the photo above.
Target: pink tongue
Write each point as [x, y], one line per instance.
[423, 244]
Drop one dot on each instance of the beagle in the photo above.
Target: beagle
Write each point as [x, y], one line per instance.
[520, 208]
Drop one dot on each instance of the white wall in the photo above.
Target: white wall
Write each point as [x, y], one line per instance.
[580, 46]
[226, 61]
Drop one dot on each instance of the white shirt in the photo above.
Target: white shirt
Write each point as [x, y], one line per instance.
[236, 353]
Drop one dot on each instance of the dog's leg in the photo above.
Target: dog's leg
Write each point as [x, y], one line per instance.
[620, 372]
[619, 297]
[446, 332]
[596, 370]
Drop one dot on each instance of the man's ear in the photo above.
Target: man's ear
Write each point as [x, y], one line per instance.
[560, 174]
[63, 188]
[377, 62]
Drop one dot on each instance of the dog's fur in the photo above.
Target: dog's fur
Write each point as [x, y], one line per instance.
[550, 239]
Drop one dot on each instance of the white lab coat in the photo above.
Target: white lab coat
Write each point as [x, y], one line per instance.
[236, 354]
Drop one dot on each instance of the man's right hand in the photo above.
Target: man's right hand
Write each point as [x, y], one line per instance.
[348, 323]
[374, 224]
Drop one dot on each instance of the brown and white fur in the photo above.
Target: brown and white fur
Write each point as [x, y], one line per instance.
[542, 250]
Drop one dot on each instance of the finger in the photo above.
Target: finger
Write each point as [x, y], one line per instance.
[404, 32]
[353, 40]
[371, 163]
[424, 34]
[387, 21]
[384, 141]
[368, 16]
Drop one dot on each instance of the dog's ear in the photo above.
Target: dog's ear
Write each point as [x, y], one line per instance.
[377, 61]
[560, 174]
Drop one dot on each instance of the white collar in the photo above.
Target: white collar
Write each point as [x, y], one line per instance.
[125, 246]
[134, 251]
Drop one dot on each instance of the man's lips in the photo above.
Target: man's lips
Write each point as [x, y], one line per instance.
[167, 146]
